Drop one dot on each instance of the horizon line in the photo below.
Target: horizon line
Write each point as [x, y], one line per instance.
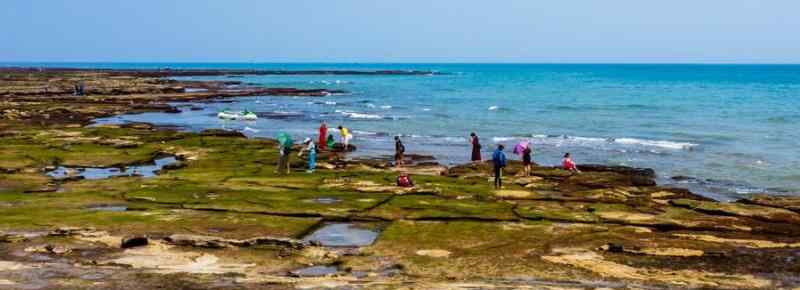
[4, 63]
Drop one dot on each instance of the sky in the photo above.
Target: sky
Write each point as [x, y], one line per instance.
[569, 31]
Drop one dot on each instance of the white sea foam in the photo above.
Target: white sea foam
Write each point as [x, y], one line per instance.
[386, 107]
[458, 140]
[369, 133]
[248, 129]
[502, 139]
[370, 105]
[493, 108]
[357, 115]
[586, 139]
[332, 103]
[287, 112]
[559, 140]
[656, 143]
[426, 109]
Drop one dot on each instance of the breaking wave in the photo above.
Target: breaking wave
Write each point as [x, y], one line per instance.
[559, 140]
[656, 143]
[358, 115]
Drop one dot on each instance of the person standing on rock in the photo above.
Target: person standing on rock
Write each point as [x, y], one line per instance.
[346, 136]
[323, 135]
[311, 148]
[499, 160]
[476, 147]
[283, 161]
[568, 164]
[399, 152]
[527, 160]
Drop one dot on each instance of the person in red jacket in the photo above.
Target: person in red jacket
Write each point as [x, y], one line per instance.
[323, 135]
[404, 180]
[568, 164]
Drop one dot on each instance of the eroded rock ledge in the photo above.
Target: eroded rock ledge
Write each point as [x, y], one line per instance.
[224, 220]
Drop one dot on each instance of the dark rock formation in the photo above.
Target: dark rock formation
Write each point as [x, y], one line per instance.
[222, 133]
[133, 241]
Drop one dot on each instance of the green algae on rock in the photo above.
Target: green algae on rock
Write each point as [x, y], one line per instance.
[223, 216]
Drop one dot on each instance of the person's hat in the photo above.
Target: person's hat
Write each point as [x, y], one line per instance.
[307, 140]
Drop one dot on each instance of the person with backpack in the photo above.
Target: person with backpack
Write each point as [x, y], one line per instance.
[527, 160]
[284, 166]
[499, 160]
[399, 152]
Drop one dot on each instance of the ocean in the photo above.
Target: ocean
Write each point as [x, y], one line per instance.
[725, 131]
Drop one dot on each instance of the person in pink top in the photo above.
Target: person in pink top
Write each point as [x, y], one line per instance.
[568, 164]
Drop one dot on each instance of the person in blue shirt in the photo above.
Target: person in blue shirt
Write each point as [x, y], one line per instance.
[499, 160]
[311, 148]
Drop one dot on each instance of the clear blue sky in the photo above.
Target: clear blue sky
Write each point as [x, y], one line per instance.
[750, 31]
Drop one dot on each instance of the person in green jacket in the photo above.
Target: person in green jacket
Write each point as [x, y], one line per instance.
[331, 153]
[331, 142]
[284, 166]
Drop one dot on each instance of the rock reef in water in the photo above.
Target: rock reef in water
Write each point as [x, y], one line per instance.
[47, 96]
[160, 73]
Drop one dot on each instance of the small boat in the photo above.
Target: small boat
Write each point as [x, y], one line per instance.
[249, 116]
[228, 115]
[231, 115]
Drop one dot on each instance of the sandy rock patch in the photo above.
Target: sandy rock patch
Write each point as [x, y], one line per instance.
[434, 253]
[594, 262]
[755, 244]
[507, 193]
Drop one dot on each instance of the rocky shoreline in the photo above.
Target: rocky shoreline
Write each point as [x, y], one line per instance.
[163, 73]
[221, 219]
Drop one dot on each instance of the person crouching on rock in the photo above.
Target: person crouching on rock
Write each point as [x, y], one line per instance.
[568, 164]
[311, 148]
[333, 155]
[499, 160]
[404, 180]
[399, 152]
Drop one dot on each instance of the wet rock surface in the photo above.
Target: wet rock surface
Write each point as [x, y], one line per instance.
[223, 220]
[72, 173]
[222, 133]
[343, 235]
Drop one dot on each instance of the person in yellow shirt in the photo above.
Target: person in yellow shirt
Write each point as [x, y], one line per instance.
[346, 136]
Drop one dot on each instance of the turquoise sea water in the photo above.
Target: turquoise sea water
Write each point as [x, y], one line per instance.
[734, 128]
